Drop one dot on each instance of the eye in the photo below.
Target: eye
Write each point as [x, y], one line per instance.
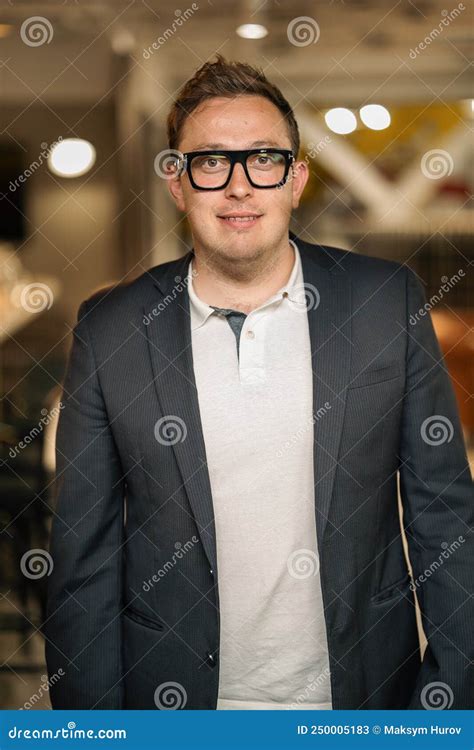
[210, 163]
[265, 161]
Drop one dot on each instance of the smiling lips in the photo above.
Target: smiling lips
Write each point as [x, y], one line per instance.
[240, 220]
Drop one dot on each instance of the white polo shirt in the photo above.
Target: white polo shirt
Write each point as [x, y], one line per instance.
[256, 412]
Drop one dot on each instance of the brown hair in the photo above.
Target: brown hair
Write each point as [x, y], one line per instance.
[228, 79]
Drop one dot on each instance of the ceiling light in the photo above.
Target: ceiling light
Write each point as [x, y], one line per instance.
[5, 30]
[375, 116]
[340, 120]
[252, 31]
[72, 157]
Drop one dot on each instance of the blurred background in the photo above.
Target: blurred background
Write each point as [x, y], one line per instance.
[382, 92]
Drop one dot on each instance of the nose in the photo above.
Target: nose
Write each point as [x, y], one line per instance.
[239, 186]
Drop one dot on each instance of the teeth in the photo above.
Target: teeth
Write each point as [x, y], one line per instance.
[240, 218]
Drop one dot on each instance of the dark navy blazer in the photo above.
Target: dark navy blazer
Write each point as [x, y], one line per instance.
[126, 616]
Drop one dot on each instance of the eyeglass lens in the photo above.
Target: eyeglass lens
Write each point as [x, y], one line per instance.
[212, 170]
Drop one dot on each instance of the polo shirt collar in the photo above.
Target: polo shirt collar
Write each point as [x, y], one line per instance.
[201, 311]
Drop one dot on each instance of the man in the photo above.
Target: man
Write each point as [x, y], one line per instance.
[254, 403]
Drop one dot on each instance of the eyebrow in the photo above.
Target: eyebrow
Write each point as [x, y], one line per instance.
[222, 146]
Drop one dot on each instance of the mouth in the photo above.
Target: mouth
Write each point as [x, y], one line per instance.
[240, 220]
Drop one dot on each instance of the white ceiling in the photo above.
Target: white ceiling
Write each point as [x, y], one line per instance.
[362, 53]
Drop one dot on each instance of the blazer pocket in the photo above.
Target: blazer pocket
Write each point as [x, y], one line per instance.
[371, 377]
[392, 591]
[141, 619]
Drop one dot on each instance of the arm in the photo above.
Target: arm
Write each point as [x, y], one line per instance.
[438, 511]
[82, 626]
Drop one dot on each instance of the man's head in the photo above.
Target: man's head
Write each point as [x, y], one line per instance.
[232, 106]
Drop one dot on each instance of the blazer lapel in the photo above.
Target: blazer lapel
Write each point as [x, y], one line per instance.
[170, 347]
[169, 338]
[330, 335]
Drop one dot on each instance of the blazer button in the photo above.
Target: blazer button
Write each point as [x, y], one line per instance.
[211, 660]
[211, 572]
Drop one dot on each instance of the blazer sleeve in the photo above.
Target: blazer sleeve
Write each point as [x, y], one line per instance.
[438, 514]
[83, 627]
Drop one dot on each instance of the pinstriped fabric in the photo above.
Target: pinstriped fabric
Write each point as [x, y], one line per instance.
[126, 614]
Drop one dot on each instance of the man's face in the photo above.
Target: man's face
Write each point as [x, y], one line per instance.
[234, 124]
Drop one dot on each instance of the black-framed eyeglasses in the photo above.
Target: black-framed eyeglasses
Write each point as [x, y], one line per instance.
[212, 170]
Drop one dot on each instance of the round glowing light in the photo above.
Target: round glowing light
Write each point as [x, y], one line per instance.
[252, 31]
[72, 157]
[340, 120]
[375, 116]
[5, 30]
[468, 108]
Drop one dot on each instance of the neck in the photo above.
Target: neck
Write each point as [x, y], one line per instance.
[220, 282]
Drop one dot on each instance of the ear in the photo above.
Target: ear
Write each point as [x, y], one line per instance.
[299, 178]
[175, 189]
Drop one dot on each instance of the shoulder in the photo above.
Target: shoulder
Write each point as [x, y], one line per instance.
[367, 273]
[379, 288]
[124, 301]
[355, 263]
